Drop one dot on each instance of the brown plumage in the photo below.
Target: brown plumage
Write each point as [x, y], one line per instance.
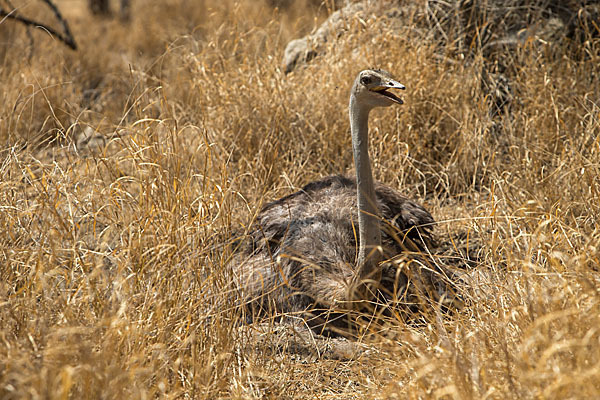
[304, 253]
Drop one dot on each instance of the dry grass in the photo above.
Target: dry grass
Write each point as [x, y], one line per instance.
[113, 260]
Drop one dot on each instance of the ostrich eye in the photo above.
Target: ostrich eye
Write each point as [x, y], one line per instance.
[365, 80]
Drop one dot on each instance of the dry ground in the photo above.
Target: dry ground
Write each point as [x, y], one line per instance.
[126, 166]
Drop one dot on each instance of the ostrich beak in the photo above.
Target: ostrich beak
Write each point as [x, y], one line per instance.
[390, 84]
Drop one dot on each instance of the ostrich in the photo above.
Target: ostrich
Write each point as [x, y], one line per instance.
[301, 255]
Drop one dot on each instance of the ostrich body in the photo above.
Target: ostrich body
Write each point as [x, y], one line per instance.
[302, 253]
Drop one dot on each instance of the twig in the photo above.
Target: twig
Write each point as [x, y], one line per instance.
[27, 30]
[64, 23]
[66, 38]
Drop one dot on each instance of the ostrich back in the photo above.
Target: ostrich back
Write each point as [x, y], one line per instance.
[301, 252]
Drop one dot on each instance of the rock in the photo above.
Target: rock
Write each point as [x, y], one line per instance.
[302, 50]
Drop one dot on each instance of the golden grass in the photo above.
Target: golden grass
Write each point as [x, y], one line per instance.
[113, 257]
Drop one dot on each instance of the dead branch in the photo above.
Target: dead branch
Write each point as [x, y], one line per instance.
[66, 37]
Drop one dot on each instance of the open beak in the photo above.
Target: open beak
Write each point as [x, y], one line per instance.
[384, 90]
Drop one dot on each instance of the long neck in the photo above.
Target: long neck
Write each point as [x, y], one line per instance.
[368, 212]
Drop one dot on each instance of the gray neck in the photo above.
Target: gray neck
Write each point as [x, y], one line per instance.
[368, 212]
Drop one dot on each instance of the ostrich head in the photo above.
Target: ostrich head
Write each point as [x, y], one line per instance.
[371, 89]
